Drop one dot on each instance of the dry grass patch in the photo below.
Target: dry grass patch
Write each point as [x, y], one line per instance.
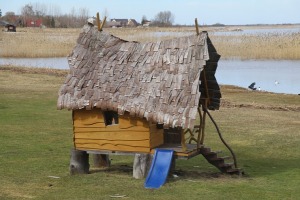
[278, 46]
[13, 191]
[35, 42]
[32, 70]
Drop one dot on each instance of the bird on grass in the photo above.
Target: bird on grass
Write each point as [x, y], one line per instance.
[251, 86]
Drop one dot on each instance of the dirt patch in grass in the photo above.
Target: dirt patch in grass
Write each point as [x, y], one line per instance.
[228, 104]
[13, 191]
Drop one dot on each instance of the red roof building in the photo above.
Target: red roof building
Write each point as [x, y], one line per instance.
[34, 23]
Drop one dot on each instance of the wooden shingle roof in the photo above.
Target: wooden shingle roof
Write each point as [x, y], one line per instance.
[159, 81]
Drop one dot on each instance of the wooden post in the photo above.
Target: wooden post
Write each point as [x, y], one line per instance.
[200, 137]
[173, 166]
[79, 163]
[207, 100]
[183, 143]
[196, 25]
[101, 160]
[98, 21]
[102, 24]
[141, 165]
[203, 128]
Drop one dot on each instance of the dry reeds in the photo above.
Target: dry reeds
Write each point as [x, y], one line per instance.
[281, 46]
[35, 42]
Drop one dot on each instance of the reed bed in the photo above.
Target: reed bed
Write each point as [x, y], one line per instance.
[279, 46]
[35, 42]
[32, 43]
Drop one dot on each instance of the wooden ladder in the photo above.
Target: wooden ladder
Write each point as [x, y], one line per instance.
[219, 162]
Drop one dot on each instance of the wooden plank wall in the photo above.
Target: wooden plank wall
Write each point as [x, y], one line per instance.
[131, 134]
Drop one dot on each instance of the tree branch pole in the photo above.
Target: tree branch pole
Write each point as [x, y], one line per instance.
[98, 21]
[102, 24]
[196, 25]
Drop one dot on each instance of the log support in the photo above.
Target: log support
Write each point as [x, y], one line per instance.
[79, 163]
[141, 165]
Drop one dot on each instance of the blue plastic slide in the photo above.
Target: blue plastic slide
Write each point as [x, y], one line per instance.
[159, 169]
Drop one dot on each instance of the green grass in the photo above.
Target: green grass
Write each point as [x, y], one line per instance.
[36, 139]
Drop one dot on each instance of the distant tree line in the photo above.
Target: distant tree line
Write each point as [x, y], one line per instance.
[163, 18]
[52, 16]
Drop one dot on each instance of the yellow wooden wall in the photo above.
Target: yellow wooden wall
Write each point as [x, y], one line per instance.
[131, 134]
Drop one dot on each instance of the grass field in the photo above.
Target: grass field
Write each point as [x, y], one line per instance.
[262, 128]
[59, 42]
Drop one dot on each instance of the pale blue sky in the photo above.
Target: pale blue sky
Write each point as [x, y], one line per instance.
[207, 11]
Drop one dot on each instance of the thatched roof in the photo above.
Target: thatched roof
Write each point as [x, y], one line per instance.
[159, 81]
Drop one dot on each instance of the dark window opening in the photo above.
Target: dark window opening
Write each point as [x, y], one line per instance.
[111, 118]
[172, 135]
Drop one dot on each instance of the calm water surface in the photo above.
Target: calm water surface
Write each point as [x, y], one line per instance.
[231, 72]
[55, 63]
[275, 76]
[226, 32]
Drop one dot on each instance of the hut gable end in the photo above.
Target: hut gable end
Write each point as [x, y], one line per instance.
[159, 81]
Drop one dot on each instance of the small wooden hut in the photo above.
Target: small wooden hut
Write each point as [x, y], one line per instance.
[133, 97]
[10, 28]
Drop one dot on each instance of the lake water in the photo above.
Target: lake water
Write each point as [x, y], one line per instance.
[230, 32]
[263, 72]
[230, 72]
[55, 63]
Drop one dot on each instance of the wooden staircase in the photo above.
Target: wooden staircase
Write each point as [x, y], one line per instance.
[219, 162]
